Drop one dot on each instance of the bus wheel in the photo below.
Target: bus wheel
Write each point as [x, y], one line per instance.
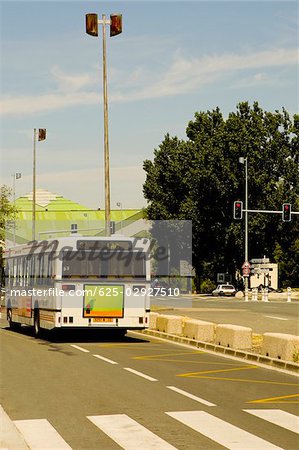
[12, 325]
[36, 323]
[9, 318]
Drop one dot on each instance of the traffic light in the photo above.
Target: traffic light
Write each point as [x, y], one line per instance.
[286, 212]
[238, 210]
[115, 24]
[92, 24]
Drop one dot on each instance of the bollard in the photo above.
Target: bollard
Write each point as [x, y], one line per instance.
[289, 292]
[246, 295]
[266, 295]
[254, 294]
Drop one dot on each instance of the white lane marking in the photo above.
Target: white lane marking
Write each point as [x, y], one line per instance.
[278, 318]
[278, 417]
[140, 374]
[187, 394]
[39, 434]
[80, 348]
[105, 359]
[220, 431]
[128, 433]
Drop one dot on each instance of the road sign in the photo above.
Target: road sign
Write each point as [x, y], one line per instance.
[260, 260]
[246, 265]
[261, 266]
[220, 277]
[246, 272]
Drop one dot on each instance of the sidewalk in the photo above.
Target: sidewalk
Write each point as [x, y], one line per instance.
[10, 437]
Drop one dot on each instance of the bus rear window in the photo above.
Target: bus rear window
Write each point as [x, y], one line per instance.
[103, 264]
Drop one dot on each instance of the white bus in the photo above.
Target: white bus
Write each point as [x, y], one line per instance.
[82, 282]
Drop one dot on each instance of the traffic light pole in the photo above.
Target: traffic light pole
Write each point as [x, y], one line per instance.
[246, 225]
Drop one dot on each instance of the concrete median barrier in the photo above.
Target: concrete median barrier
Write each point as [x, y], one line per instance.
[280, 346]
[233, 336]
[199, 330]
[153, 320]
[170, 324]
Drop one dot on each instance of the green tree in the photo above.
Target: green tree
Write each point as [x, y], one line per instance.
[200, 178]
[7, 213]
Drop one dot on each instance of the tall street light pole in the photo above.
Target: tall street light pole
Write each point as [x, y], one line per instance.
[115, 23]
[34, 185]
[106, 138]
[243, 160]
[41, 133]
[15, 176]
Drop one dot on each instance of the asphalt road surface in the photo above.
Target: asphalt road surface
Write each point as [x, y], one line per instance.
[262, 317]
[90, 391]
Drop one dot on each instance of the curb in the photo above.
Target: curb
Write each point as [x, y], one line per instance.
[11, 438]
[289, 367]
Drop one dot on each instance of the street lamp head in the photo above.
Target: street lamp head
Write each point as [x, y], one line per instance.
[242, 160]
[115, 24]
[92, 24]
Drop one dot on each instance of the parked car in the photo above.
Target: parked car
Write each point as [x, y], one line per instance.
[224, 289]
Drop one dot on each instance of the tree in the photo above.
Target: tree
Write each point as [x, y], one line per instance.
[200, 178]
[8, 211]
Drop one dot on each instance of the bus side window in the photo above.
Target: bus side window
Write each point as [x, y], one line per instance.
[35, 272]
[17, 271]
[21, 270]
[45, 268]
[50, 266]
[26, 270]
[41, 268]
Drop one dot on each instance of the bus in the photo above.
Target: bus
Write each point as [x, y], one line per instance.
[78, 282]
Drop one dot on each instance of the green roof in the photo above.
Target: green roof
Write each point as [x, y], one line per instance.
[54, 212]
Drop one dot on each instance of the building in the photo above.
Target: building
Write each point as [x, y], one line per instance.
[57, 216]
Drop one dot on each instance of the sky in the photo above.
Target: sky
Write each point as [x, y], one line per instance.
[174, 58]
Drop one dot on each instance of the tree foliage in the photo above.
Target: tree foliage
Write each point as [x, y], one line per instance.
[7, 212]
[199, 179]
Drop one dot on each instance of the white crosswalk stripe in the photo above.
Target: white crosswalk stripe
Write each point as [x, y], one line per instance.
[39, 434]
[278, 417]
[128, 433]
[222, 432]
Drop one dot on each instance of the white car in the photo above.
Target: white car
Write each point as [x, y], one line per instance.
[224, 289]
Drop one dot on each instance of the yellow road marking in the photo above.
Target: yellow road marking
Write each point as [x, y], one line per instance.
[274, 399]
[162, 355]
[240, 380]
[132, 345]
[195, 374]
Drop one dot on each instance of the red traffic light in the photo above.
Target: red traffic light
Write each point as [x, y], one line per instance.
[286, 212]
[115, 24]
[92, 24]
[238, 210]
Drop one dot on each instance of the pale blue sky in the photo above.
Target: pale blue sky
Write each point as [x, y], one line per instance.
[172, 59]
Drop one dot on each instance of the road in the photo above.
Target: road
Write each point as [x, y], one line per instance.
[262, 317]
[85, 391]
